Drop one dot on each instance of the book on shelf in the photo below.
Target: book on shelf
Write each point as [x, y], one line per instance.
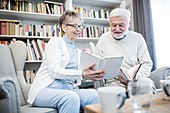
[30, 50]
[3, 28]
[7, 42]
[94, 31]
[54, 7]
[4, 42]
[92, 13]
[39, 43]
[47, 7]
[131, 73]
[36, 49]
[8, 26]
[111, 65]
[17, 28]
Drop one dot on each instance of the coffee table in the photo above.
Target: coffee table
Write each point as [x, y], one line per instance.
[158, 105]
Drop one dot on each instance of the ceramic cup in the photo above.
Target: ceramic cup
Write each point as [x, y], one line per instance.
[165, 85]
[111, 98]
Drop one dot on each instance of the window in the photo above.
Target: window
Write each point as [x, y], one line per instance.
[161, 26]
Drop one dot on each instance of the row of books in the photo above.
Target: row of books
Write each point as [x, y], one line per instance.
[35, 49]
[8, 27]
[94, 31]
[16, 28]
[86, 12]
[46, 7]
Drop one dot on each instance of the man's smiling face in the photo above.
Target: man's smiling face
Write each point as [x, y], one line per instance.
[118, 26]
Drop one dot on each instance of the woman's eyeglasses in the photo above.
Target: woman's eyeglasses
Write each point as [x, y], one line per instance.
[76, 26]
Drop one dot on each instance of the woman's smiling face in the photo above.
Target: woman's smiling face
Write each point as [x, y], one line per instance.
[72, 28]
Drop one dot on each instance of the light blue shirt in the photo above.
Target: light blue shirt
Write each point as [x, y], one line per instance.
[72, 49]
[73, 64]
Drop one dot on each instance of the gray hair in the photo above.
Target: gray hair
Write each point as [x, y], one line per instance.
[69, 15]
[121, 12]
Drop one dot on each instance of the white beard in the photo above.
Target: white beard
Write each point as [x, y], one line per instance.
[121, 36]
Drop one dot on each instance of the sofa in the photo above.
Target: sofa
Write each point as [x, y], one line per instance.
[13, 87]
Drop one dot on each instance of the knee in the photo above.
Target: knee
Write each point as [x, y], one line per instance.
[93, 96]
[94, 93]
[70, 103]
[145, 80]
[72, 98]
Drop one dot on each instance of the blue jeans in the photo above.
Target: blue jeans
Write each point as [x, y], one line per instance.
[61, 95]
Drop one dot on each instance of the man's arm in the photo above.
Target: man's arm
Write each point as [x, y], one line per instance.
[144, 59]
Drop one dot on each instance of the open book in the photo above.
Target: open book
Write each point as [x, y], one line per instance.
[131, 73]
[111, 65]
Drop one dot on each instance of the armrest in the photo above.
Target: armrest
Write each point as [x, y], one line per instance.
[3, 92]
[159, 74]
[9, 100]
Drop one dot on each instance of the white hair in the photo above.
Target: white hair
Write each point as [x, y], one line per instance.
[121, 12]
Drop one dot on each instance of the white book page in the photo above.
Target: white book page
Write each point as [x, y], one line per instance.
[133, 70]
[129, 74]
[89, 58]
[111, 65]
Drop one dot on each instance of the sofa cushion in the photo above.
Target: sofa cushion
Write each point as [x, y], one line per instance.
[6, 62]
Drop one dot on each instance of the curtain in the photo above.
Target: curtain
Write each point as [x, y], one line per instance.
[143, 25]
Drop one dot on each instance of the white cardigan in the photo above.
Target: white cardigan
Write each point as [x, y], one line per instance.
[56, 58]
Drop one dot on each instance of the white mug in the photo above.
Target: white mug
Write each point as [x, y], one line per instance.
[111, 98]
[165, 85]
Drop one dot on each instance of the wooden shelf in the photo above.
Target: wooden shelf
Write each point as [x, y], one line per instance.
[96, 21]
[98, 3]
[62, 1]
[9, 37]
[29, 16]
[33, 61]
[82, 39]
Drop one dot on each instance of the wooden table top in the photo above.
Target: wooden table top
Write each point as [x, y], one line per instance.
[158, 105]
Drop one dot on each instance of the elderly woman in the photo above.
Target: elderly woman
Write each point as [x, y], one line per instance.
[59, 74]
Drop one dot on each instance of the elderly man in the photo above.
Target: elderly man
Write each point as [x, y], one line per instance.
[119, 41]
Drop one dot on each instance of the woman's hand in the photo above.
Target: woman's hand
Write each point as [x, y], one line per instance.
[92, 74]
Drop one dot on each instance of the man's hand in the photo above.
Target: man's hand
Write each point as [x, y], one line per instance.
[123, 81]
[92, 74]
